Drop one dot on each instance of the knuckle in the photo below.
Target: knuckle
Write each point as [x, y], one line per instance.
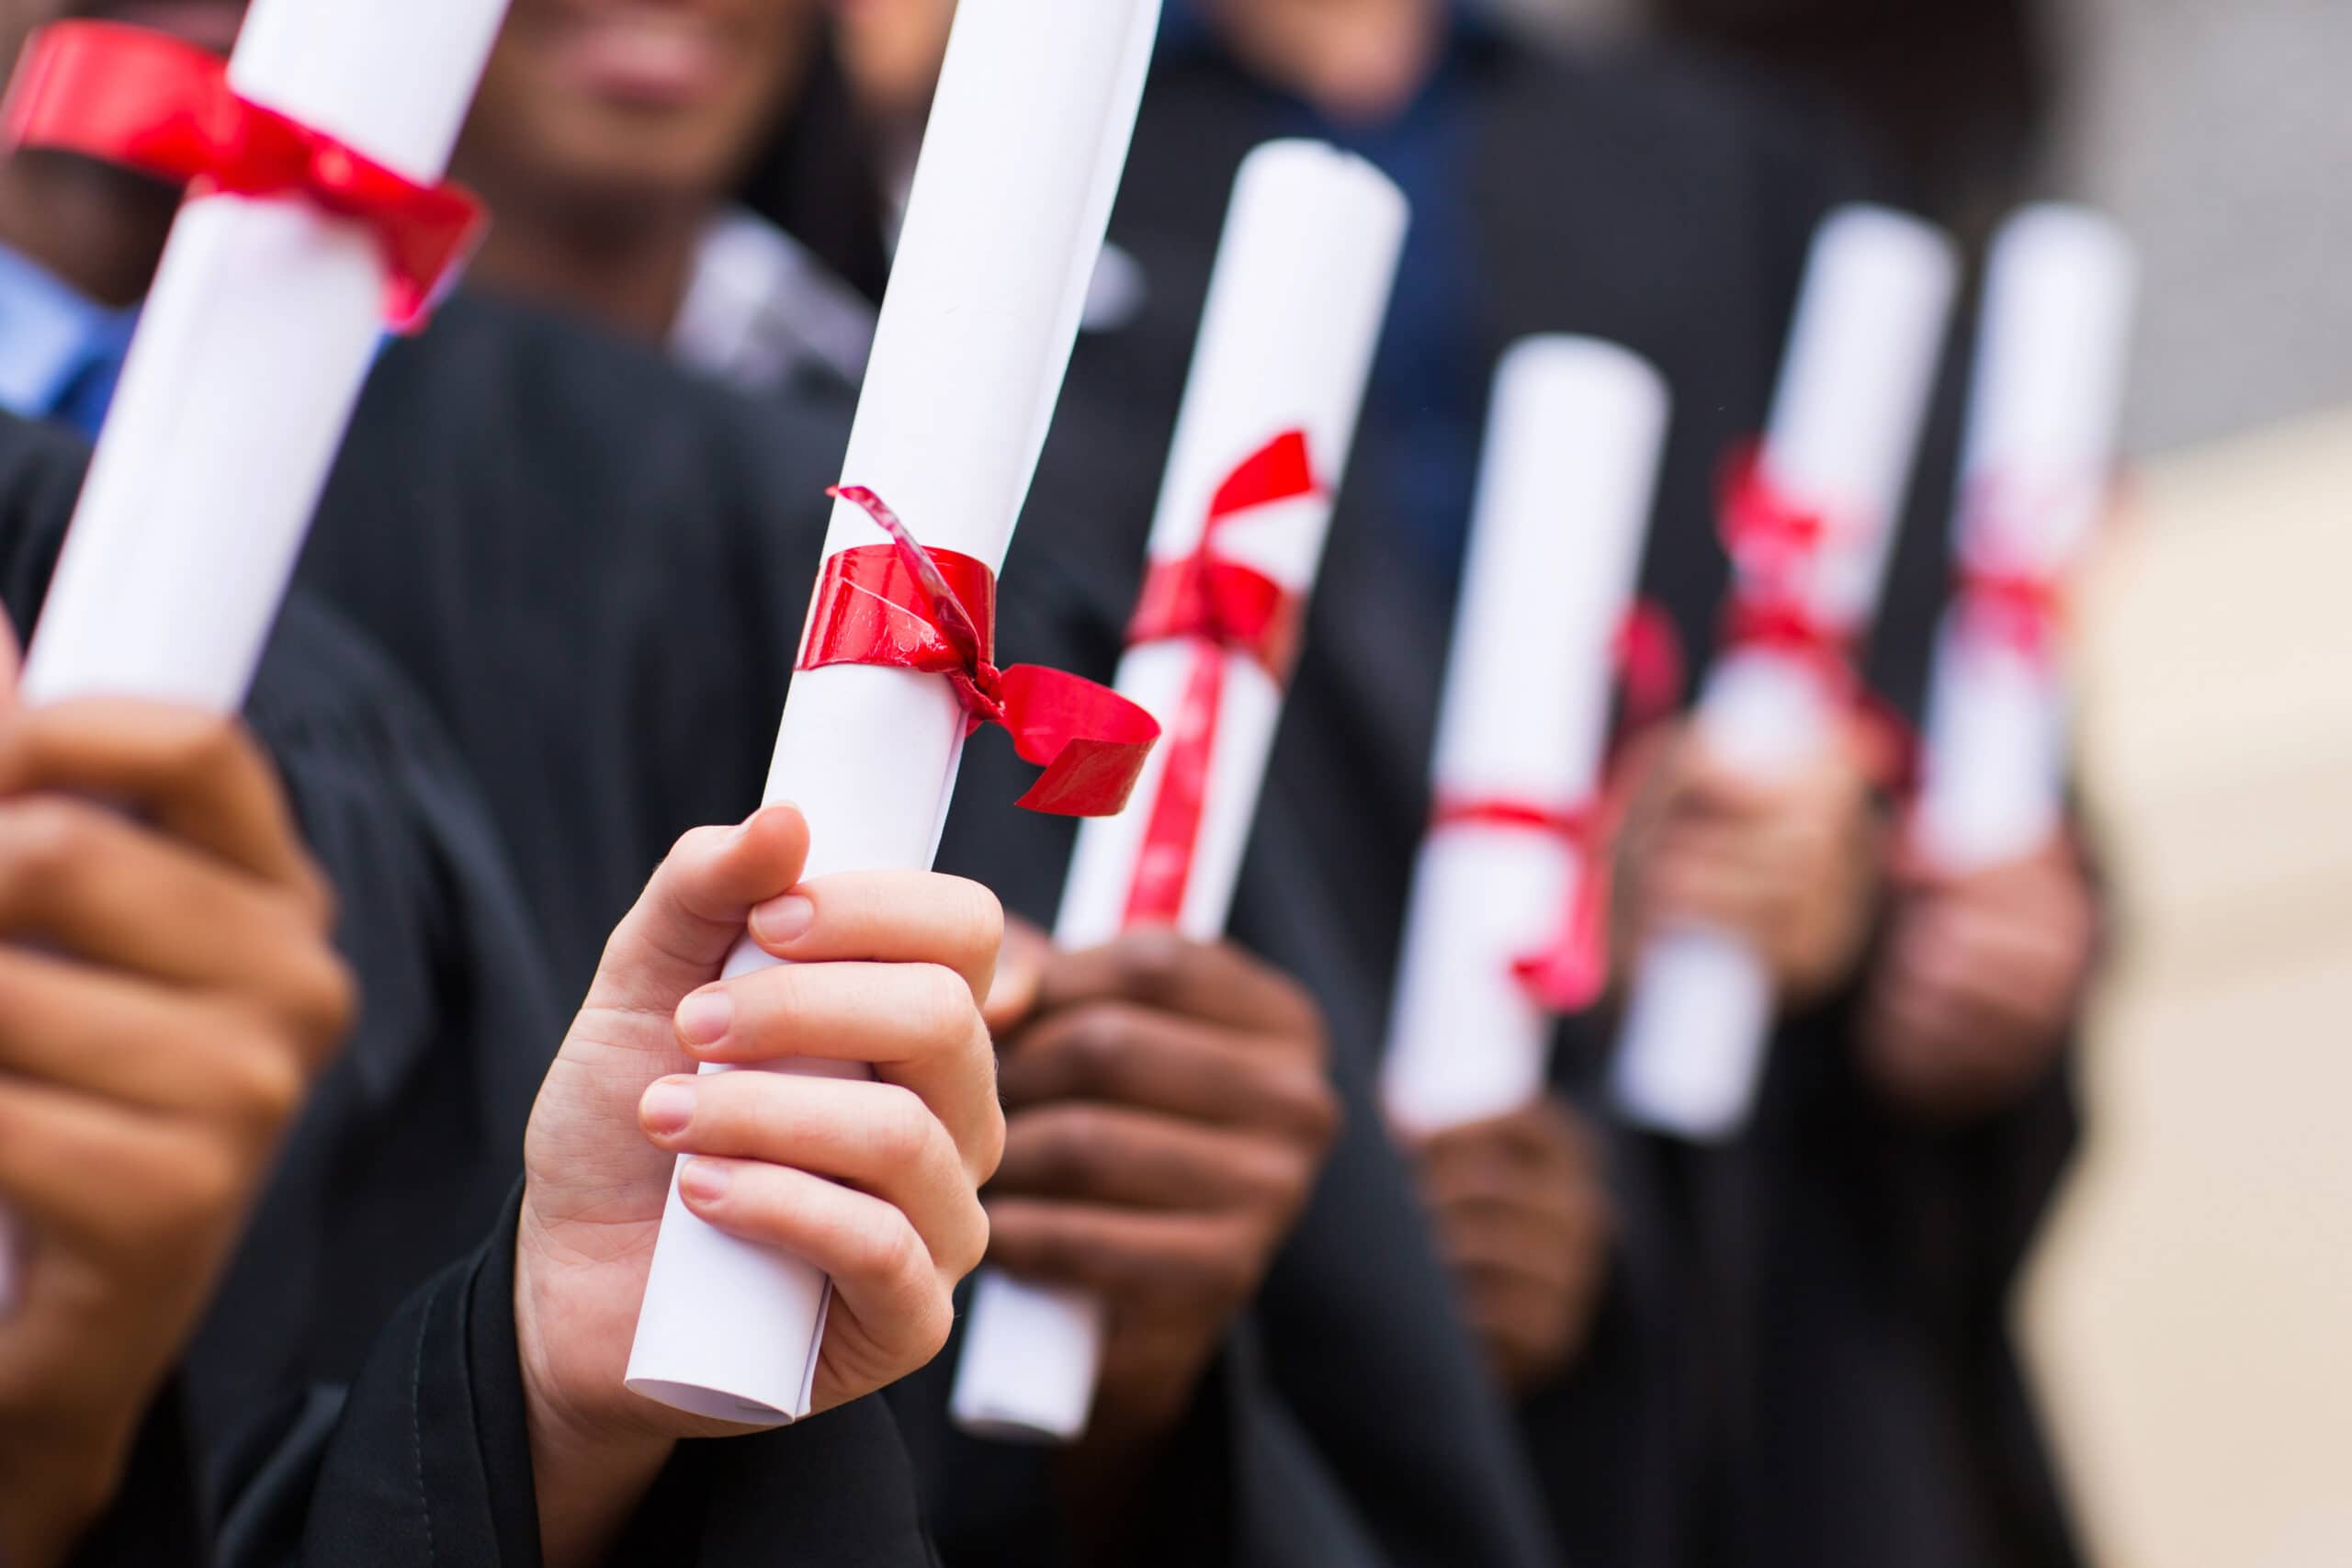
[209, 1183]
[977, 919]
[934, 1322]
[905, 1131]
[969, 1245]
[205, 745]
[987, 1150]
[891, 1250]
[45, 842]
[1095, 1044]
[1150, 961]
[941, 1007]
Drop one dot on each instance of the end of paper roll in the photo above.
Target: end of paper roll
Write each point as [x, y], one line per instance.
[729, 1330]
[1032, 1355]
[1692, 1055]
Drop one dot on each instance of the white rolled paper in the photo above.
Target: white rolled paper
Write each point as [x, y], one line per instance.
[2035, 477]
[1845, 429]
[1295, 308]
[1573, 449]
[1027, 140]
[250, 351]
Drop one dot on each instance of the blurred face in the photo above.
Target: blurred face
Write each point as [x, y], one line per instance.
[213, 24]
[628, 101]
[891, 50]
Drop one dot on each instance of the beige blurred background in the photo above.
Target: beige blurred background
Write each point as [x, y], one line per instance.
[2189, 1313]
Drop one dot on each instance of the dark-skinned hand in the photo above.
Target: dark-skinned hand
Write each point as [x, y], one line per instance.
[1168, 1110]
[1523, 1219]
[1978, 982]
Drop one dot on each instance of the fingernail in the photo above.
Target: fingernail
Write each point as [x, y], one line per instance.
[668, 1106]
[783, 919]
[704, 1181]
[705, 1017]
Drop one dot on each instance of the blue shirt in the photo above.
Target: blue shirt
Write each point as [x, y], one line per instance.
[1418, 442]
[61, 354]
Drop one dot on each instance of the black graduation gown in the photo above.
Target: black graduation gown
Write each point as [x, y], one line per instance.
[341, 1403]
[1652, 206]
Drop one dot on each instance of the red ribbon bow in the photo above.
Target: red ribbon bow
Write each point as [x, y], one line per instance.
[901, 606]
[1775, 544]
[151, 103]
[1221, 606]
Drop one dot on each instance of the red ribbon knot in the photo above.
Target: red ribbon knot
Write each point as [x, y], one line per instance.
[2017, 609]
[1775, 545]
[153, 103]
[901, 606]
[1220, 606]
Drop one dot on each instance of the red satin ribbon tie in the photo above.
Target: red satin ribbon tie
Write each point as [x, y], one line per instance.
[1220, 606]
[153, 103]
[901, 606]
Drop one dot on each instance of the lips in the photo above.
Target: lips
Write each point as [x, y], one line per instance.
[642, 55]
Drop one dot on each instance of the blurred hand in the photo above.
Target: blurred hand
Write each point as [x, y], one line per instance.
[874, 1181]
[1168, 1113]
[1978, 982]
[1793, 866]
[1523, 1219]
[168, 993]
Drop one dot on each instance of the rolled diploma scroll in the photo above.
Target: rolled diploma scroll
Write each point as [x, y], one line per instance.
[2034, 483]
[1027, 138]
[1845, 428]
[1294, 310]
[1571, 471]
[250, 352]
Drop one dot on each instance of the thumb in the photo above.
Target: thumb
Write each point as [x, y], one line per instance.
[1019, 976]
[692, 913]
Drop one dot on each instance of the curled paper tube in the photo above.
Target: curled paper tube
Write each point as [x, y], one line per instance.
[1846, 424]
[251, 345]
[1027, 138]
[1301, 287]
[2051, 353]
[1573, 449]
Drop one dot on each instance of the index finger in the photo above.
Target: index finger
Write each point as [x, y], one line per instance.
[198, 777]
[1214, 982]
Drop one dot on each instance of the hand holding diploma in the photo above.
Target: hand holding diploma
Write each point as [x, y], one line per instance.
[318, 218]
[870, 1178]
[1302, 285]
[179, 994]
[1809, 521]
[1992, 936]
[1026, 142]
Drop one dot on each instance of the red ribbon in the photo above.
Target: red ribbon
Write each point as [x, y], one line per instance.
[2021, 610]
[1775, 545]
[901, 606]
[151, 103]
[1568, 972]
[1220, 606]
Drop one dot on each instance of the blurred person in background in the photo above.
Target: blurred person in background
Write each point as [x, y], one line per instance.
[1958, 95]
[611, 140]
[1792, 1351]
